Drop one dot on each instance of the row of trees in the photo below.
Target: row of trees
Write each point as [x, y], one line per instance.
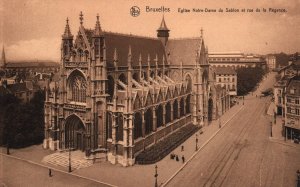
[22, 124]
[248, 78]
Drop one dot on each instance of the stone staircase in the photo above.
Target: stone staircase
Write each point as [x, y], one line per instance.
[78, 159]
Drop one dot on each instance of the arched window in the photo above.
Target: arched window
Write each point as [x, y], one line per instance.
[152, 74]
[168, 113]
[188, 80]
[77, 85]
[148, 121]
[80, 53]
[175, 110]
[110, 87]
[120, 128]
[109, 125]
[181, 107]
[187, 104]
[135, 76]
[159, 117]
[96, 47]
[137, 125]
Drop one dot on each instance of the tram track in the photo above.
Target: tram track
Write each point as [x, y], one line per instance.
[231, 152]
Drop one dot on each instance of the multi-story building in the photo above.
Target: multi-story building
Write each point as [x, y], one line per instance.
[227, 78]
[235, 60]
[271, 62]
[292, 105]
[125, 92]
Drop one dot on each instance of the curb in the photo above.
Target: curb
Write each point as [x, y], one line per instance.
[194, 154]
[55, 169]
[275, 140]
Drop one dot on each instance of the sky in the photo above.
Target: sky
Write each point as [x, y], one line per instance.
[32, 29]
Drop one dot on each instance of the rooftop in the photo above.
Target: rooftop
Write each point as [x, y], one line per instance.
[224, 70]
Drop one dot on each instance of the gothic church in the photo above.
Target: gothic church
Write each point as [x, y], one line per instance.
[123, 93]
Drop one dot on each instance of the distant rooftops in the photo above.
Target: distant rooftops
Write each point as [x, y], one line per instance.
[224, 70]
[18, 64]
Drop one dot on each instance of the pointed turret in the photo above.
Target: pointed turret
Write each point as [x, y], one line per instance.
[3, 59]
[156, 65]
[140, 67]
[115, 59]
[163, 32]
[129, 61]
[98, 30]
[67, 34]
[81, 18]
[163, 66]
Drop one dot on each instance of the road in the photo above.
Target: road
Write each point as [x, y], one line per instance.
[15, 172]
[242, 153]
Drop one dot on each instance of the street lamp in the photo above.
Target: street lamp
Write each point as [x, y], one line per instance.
[298, 178]
[70, 167]
[196, 142]
[271, 129]
[156, 175]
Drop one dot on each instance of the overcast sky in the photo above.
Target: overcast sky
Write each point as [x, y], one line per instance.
[32, 29]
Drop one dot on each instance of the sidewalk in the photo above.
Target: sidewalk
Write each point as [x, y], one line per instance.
[137, 175]
[277, 128]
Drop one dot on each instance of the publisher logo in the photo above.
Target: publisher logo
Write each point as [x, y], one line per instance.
[135, 11]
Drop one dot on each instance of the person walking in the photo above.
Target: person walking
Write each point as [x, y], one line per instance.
[50, 172]
[183, 159]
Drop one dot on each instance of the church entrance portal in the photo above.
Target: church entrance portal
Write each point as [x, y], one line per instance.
[74, 133]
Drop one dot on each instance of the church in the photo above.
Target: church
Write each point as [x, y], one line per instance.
[123, 93]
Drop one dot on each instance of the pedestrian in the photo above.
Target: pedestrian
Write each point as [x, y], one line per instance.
[182, 148]
[50, 172]
[183, 159]
[177, 159]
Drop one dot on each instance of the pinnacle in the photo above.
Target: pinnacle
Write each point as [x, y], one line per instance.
[67, 33]
[98, 29]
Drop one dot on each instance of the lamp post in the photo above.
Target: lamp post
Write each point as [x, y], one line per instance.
[156, 175]
[271, 129]
[196, 142]
[70, 167]
[298, 178]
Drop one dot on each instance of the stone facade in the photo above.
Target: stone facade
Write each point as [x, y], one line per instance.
[123, 93]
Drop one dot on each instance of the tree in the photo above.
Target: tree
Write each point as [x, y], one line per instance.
[248, 78]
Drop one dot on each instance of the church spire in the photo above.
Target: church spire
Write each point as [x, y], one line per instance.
[98, 29]
[163, 25]
[67, 34]
[163, 32]
[81, 18]
[3, 59]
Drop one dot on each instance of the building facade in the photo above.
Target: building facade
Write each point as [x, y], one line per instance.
[124, 93]
[235, 60]
[271, 62]
[292, 105]
[227, 77]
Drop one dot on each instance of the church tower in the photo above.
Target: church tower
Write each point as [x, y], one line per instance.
[163, 32]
